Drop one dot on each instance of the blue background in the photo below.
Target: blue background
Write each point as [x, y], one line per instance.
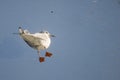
[86, 47]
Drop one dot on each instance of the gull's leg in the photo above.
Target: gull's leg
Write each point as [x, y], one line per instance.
[38, 53]
[41, 59]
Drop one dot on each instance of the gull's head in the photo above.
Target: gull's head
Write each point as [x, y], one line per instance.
[47, 33]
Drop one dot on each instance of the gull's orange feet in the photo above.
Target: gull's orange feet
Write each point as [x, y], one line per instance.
[41, 59]
[48, 54]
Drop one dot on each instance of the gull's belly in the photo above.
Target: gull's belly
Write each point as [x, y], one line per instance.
[41, 44]
[45, 43]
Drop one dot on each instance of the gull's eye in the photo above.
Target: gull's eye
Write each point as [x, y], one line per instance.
[46, 32]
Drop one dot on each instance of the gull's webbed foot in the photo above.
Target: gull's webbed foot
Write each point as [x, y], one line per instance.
[48, 54]
[41, 59]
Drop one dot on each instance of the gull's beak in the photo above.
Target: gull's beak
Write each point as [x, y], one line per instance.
[52, 35]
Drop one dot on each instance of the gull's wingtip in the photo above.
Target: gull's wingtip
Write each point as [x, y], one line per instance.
[20, 30]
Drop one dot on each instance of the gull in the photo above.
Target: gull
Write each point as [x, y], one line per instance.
[39, 41]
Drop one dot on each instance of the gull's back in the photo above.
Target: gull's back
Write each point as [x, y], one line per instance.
[37, 40]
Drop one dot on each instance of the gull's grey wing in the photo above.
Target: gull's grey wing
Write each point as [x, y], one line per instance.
[31, 40]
